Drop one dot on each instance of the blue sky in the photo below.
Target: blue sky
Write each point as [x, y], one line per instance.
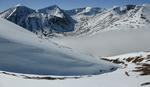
[68, 4]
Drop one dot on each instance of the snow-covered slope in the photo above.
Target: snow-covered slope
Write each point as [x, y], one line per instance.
[23, 52]
[82, 17]
[115, 41]
[123, 77]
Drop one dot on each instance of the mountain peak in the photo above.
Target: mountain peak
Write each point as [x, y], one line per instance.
[88, 7]
[123, 9]
[52, 10]
[18, 5]
[85, 11]
[53, 7]
[21, 7]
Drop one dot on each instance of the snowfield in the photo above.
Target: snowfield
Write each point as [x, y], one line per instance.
[23, 52]
[117, 78]
[110, 43]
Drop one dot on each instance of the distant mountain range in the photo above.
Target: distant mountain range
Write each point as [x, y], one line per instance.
[81, 21]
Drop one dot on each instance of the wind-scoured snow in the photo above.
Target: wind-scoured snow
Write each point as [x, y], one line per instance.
[24, 52]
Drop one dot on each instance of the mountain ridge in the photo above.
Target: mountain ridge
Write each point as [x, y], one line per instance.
[39, 21]
[52, 20]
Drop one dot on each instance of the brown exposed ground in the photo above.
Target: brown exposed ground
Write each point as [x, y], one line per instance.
[144, 69]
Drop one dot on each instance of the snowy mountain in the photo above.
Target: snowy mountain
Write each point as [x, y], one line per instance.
[42, 21]
[22, 51]
[78, 22]
[132, 16]
[17, 14]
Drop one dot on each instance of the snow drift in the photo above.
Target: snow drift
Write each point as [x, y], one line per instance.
[23, 52]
